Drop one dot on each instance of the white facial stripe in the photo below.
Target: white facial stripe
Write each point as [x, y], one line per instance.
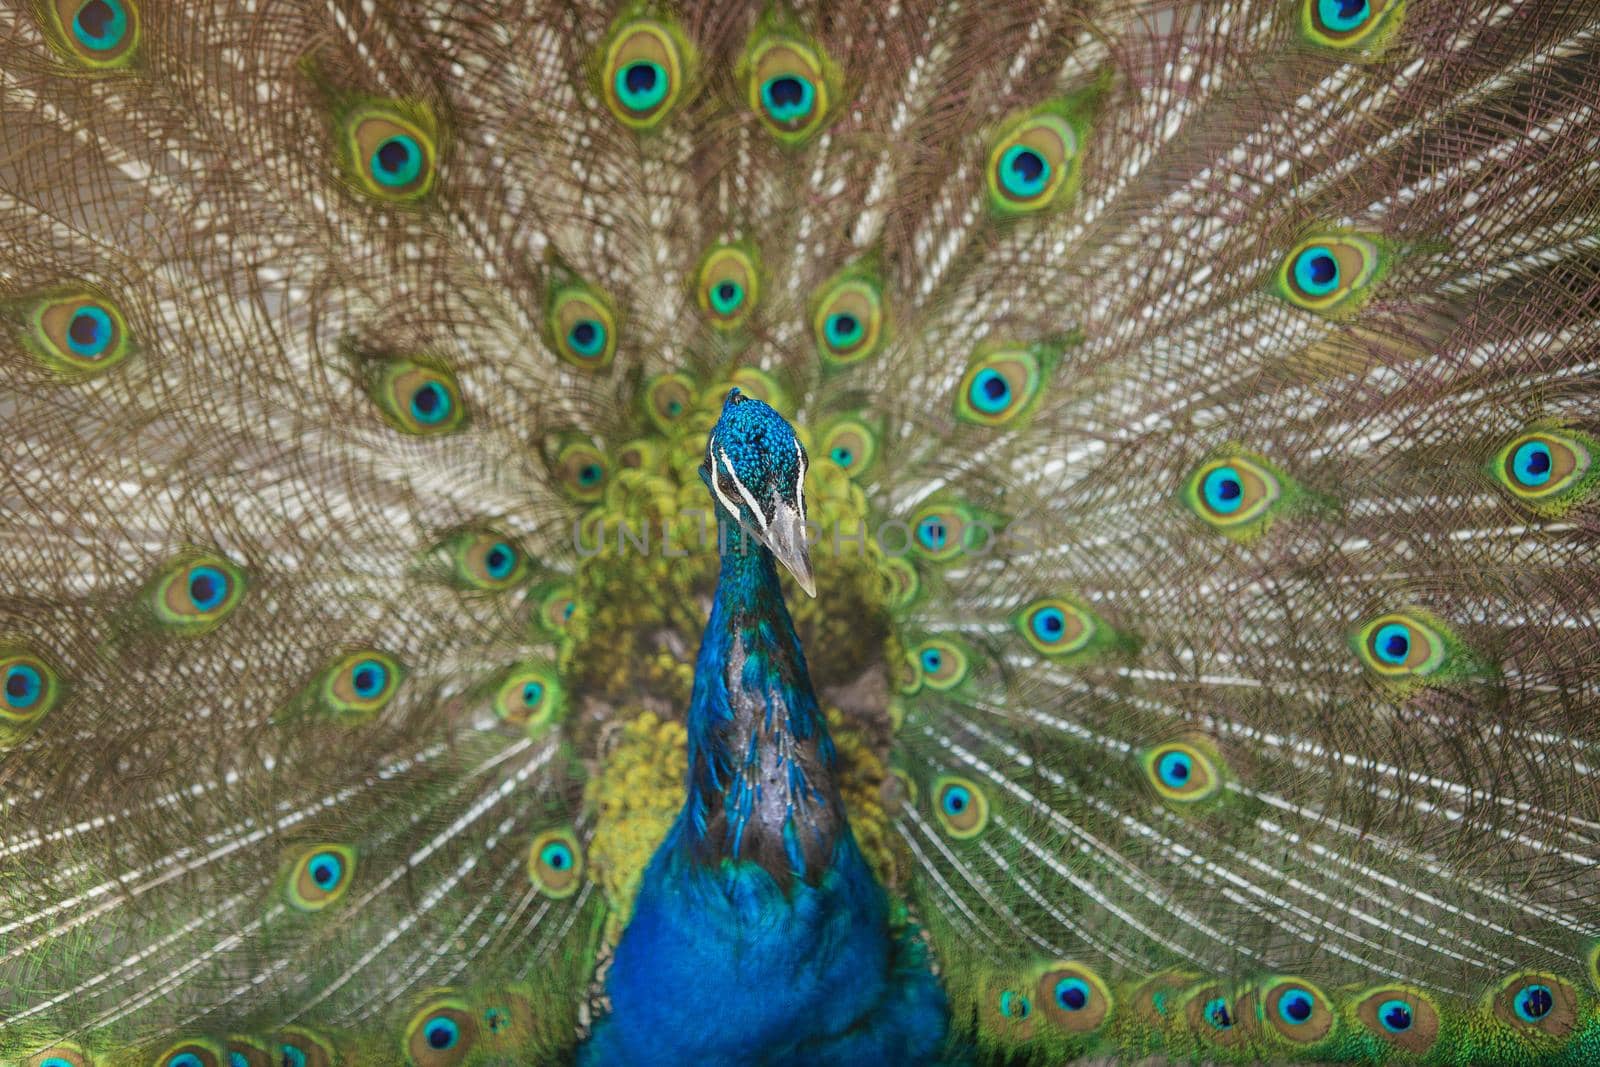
[800, 479]
[748, 496]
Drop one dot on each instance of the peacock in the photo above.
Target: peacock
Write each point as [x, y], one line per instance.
[642, 532]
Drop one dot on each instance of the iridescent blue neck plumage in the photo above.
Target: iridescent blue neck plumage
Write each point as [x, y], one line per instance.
[761, 763]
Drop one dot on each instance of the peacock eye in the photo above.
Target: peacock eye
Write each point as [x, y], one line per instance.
[788, 87]
[29, 688]
[529, 696]
[391, 150]
[961, 808]
[1400, 646]
[668, 399]
[102, 35]
[191, 1054]
[1330, 274]
[1217, 1014]
[319, 876]
[999, 386]
[644, 73]
[940, 531]
[441, 1033]
[486, 559]
[196, 594]
[582, 327]
[1346, 24]
[581, 470]
[848, 320]
[1400, 1015]
[417, 398]
[1296, 1011]
[75, 333]
[358, 686]
[1233, 493]
[1074, 997]
[1547, 469]
[555, 863]
[1181, 772]
[1534, 1000]
[944, 664]
[1030, 162]
[850, 445]
[1015, 1005]
[1057, 627]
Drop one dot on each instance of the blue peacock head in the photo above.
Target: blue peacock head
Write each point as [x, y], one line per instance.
[756, 469]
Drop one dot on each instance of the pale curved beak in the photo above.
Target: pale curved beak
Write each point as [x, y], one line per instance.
[785, 538]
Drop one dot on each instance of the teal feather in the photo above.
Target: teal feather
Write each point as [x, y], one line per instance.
[1201, 401]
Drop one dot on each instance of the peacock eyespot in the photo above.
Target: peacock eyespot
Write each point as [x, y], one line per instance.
[851, 445]
[360, 685]
[390, 150]
[727, 286]
[583, 328]
[101, 35]
[1182, 772]
[441, 1034]
[1346, 24]
[961, 808]
[1014, 1005]
[1547, 469]
[1534, 1000]
[1330, 274]
[1234, 494]
[848, 321]
[1030, 163]
[1218, 1015]
[944, 665]
[555, 863]
[1296, 1011]
[1074, 997]
[1400, 1016]
[76, 333]
[644, 74]
[530, 697]
[1056, 627]
[485, 559]
[191, 1054]
[299, 1047]
[581, 470]
[999, 386]
[940, 532]
[1398, 646]
[668, 398]
[61, 1054]
[30, 688]
[788, 88]
[418, 398]
[320, 876]
[198, 593]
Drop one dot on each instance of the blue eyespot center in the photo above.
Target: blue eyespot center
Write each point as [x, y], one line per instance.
[291, 1056]
[1343, 15]
[587, 337]
[496, 1019]
[185, 1059]
[369, 678]
[932, 660]
[1534, 1002]
[441, 1033]
[991, 393]
[1072, 994]
[1392, 643]
[843, 329]
[788, 98]
[1223, 490]
[1395, 1016]
[1217, 1014]
[1295, 1006]
[726, 297]
[500, 560]
[1023, 171]
[398, 160]
[24, 684]
[57, 1061]
[1049, 623]
[1316, 271]
[956, 800]
[430, 404]
[1531, 463]
[841, 455]
[327, 870]
[933, 533]
[1014, 1005]
[1175, 769]
[532, 693]
[641, 85]
[556, 856]
[208, 587]
[588, 474]
[100, 24]
[89, 332]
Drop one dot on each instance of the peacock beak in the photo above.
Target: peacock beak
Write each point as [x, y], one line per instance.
[785, 538]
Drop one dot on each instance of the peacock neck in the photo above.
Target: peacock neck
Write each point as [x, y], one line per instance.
[761, 764]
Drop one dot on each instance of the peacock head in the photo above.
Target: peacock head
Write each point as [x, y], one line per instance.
[756, 469]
